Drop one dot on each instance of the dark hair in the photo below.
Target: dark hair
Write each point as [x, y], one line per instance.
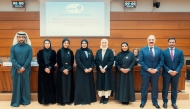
[171, 39]
[136, 49]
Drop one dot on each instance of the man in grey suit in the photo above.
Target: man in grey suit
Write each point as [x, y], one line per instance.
[173, 63]
[151, 60]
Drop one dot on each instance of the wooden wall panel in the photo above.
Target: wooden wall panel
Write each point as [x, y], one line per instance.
[184, 25]
[20, 25]
[177, 34]
[133, 25]
[19, 16]
[150, 25]
[132, 34]
[133, 28]
[6, 42]
[10, 34]
[136, 34]
[5, 25]
[116, 33]
[26, 25]
[3, 52]
[143, 16]
[119, 16]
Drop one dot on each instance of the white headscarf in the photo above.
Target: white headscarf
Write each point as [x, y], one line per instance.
[104, 40]
[27, 40]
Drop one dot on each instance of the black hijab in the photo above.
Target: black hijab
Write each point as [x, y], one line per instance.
[84, 49]
[47, 52]
[65, 53]
[122, 54]
[63, 41]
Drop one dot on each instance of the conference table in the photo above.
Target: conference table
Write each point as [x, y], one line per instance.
[6, 82]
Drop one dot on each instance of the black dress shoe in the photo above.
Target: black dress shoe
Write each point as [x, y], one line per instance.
[105, 100]
[157, 106]
[142, 105]
[174, 106]
[125, 103]
[165, 105]
[69, 103]
[83, 103]
[102, 99]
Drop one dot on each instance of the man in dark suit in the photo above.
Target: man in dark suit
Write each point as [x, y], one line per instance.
[151, 60]
[173, 63]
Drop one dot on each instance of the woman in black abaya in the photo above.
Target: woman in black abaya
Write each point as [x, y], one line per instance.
[85, 88]
[125, 60]
[65, 78]
[46, 86]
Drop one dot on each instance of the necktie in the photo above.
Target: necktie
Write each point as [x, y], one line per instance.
[171, 54]
[151, 52]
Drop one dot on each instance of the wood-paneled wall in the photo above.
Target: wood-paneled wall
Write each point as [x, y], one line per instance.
[133, 28]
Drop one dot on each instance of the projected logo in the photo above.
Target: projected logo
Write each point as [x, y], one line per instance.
[74, 8]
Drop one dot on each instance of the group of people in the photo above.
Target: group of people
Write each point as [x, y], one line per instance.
[152, 59]
[82, 90]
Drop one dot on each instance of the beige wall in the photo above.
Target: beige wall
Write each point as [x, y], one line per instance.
[116, 6]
